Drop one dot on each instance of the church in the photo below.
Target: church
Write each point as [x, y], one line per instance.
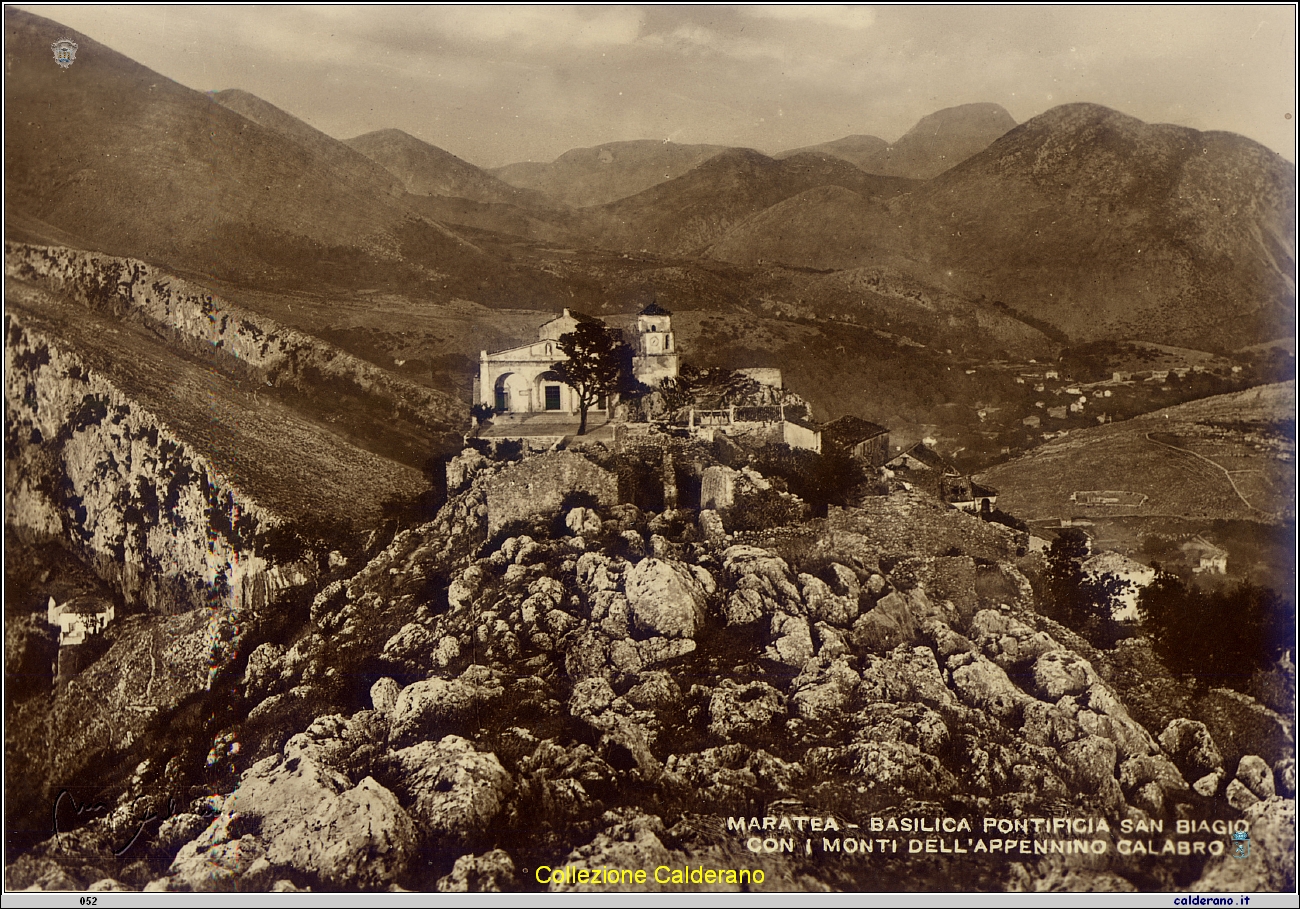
[520, 380]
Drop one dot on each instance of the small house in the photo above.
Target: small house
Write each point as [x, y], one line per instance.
[1204, 556]
[865, 441]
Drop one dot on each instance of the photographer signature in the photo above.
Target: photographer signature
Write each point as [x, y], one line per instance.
[98, 809]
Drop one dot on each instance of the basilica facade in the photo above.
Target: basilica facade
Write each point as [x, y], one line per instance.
[521, 380]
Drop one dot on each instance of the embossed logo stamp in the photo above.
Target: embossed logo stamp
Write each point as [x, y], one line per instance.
[1240, 844]
[65, 52]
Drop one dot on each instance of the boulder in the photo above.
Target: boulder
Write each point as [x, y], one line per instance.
[453, 791]
[906, 675]
[1257, 776]
[1189, 744]
[791, 640]
[824, 690]
[763, 585]
[1138, 771]
[1007, 641]
[984, 685]
[665, 599]
[424, 708]
[492, 872]
[410, 648]
[740, 710]
[360, 840]
[1061, 672]
[583, 522]
[826, 606]
[384, 694]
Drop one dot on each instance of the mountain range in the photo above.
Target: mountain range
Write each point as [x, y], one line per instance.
[1086, 221]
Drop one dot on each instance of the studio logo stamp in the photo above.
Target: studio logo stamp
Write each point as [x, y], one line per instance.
[1240, 844]
[65, 52]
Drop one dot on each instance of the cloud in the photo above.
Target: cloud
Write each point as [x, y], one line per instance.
[855, 17]
[541, 26]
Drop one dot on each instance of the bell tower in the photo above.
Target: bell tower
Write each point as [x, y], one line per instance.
[655, 353]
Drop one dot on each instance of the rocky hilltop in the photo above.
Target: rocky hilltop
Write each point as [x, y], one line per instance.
[533, 687]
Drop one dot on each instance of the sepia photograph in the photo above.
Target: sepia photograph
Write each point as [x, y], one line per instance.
[650, 449]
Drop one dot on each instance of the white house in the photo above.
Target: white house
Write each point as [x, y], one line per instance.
[1120, 566]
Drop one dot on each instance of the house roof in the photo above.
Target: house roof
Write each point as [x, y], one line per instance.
[927, 456]
[851, 430]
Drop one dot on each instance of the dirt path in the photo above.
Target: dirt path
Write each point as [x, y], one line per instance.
[1214, 464]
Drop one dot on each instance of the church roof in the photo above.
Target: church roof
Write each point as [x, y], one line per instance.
[654, 309]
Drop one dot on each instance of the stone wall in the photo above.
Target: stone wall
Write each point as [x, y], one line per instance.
[538, 485]
[915, 523]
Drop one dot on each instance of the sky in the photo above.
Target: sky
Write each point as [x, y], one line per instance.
[499, 84]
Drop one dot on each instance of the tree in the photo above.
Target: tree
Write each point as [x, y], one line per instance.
[1082, 602]
[598, 363]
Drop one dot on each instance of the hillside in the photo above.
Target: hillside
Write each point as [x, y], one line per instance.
[426, 170]
[161, 172]
[493, 692]
[1225, 457]
[937, 142]
[606, 173]
[862, 152]
[350, 165]
[1091, 221]
[690, 212]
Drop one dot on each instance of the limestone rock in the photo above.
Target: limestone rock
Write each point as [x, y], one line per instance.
[462, 469]
[763, 585]
[1189, 744]
[262, 671]
[1007, 641]
[384, 694]
[665, 599]
[410, 647]
[583, 522]
[1137, 772]
[453, 791]
[791, 640]
[907, 674]
[492, 872]
[1257, 776]
[425, 707]
[1270, 868]
[890, 623]
[711, 526]
[1061, 672]
[825, 689]
[1208, 785]
[360, 840]
[279, 794]
[827, 606]
[740, 710]
[982, 684]
[1284, 777]
[1239, 795]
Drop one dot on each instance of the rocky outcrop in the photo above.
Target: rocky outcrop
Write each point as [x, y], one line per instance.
[91, 467]
[478, 707]
[205, 323]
